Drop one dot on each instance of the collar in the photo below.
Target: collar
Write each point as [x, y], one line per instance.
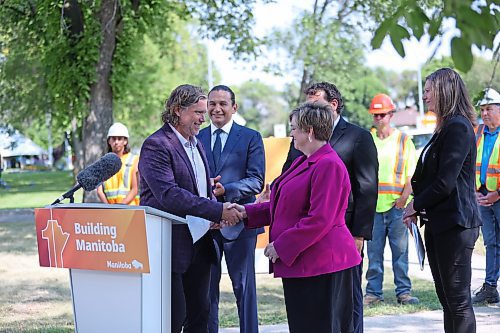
[487, 130]
[226, 128]
[336, 122]
[191, 143]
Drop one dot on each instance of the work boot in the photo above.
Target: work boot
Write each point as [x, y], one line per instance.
[406, 299]
[370, 299]
[487, 294]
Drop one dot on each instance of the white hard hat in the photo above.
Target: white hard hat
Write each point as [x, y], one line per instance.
[491, 96]
[118, 129]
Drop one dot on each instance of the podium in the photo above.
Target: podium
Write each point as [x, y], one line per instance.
[119, 301]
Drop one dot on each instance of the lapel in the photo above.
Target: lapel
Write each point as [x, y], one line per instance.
[338, 131]
[302, 165]
[172, 138]
[419, 168]
[206, 139]
[232, 139]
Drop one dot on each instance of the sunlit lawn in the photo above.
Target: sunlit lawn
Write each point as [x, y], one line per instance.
[35, 188]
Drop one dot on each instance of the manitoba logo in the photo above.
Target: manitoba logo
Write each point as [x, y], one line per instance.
[56, 239]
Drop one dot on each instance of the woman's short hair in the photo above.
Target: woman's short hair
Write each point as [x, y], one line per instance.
[450, 96]
[316, 115]
[181, 97]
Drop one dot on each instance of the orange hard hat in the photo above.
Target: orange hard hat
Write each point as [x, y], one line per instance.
[381, 103]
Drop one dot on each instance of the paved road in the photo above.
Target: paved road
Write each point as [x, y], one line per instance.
[488, 320]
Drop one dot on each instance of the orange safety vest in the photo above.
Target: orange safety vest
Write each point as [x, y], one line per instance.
[117, 187]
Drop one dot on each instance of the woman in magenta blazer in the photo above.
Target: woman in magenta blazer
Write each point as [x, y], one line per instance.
[310, 247]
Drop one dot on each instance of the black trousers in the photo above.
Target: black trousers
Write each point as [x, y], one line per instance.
[449, 255]
[357, 294]
[320, 304]
[190, 300]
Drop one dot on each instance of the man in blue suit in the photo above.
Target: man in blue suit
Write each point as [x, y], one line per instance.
[236, 159]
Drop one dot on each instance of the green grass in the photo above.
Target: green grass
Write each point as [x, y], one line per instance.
[35, 188]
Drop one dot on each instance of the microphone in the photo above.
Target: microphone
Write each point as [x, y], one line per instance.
[93, 175]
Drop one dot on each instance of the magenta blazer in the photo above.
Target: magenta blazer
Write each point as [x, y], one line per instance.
[306, 217]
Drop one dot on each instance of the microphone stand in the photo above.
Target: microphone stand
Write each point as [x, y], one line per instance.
[69, 194]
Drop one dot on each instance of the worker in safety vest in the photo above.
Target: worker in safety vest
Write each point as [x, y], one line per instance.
[488, 192]
[397, 160]
[123, 187]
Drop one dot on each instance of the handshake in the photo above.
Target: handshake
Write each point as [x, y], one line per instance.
[232, 214]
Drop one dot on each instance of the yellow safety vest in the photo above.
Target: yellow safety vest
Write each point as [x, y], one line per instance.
[393, 169]
[493, 171]
[117, 187]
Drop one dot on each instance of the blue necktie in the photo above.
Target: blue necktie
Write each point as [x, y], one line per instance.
[217, 150]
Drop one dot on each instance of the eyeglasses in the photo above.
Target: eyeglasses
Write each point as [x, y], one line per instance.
[380, 115]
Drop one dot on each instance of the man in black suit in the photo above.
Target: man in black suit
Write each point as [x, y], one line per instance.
[356, 148]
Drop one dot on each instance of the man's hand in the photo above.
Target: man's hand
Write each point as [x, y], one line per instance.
[359, 241]
[230, 214]
[488, 199]
[239, 208]
[218, 188]
[265, 196]
[271, 253]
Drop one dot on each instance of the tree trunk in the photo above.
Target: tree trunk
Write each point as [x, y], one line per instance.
[100, 116]
[77, 146]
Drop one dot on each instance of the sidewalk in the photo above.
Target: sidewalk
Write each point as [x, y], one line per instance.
[488, 320]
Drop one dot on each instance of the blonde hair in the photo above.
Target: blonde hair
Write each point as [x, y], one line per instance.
[316, 115]
[450, 96]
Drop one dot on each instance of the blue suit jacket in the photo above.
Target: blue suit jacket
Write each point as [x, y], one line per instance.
[168, 183]
[242, 169]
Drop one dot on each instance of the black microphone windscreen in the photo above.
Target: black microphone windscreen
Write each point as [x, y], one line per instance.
[99, 171]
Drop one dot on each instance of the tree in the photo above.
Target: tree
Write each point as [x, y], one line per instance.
[262, 106]
[83, 48]
[477, 21]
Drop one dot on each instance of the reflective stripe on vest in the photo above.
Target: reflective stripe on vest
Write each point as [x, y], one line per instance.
[116, 190]
[397, 186]
[493, 171]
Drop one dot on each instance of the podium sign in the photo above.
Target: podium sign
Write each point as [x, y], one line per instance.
[75, 238]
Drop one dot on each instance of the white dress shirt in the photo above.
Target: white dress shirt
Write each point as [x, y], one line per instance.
[196, 162]
[223, 135]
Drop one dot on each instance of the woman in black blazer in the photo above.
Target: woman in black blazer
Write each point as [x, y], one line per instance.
[444, 197]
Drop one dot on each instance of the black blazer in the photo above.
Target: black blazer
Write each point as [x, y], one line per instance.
[356, 149]
[444, 184]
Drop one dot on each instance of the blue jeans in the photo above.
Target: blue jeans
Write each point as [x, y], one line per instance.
[491, 235]
[388, 224]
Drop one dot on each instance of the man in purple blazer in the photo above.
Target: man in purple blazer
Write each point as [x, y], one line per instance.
[174, 177]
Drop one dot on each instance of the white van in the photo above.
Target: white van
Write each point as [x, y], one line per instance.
[420, 137]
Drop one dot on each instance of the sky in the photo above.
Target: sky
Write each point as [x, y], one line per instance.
[266, 17]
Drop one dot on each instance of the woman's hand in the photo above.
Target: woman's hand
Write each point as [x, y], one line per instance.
[410, 215]
[409, 210]
[271, 253]
[409, 220]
